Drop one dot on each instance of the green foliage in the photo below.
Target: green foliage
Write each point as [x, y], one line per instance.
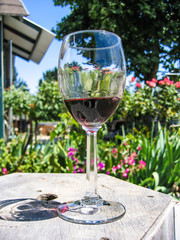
[49, 76]
[18, 82]
[44, 106]
[19, 99]
[148, 104]
[168, 105]
[48, 103]
[162, 155]
[149, 29]
[148, 160]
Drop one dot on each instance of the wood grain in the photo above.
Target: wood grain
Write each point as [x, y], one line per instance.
[148, 213]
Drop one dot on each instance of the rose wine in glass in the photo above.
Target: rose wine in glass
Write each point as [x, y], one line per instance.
[91, 76]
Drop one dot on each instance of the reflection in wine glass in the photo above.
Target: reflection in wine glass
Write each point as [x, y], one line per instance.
[91, 75]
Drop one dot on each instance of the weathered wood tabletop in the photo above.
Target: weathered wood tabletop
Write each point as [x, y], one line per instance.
[149, 214]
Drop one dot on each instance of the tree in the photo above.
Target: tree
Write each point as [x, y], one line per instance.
[48, 103]
[18, 82]
[149, 29]
[49, 76]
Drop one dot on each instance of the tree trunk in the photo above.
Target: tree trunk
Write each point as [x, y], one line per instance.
[153, 73]
[155, 65]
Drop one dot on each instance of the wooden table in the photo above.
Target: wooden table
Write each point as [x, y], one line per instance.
[149, 214]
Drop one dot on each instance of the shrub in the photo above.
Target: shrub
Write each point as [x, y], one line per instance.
[153, 102]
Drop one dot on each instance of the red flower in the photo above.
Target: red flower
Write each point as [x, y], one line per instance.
[167, 81]
[133, 79]
[161, 83]
[151, 84]
[154, 80]
[177, 85]
[138, 85]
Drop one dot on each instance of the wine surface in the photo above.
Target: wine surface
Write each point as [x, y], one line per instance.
[92, 112]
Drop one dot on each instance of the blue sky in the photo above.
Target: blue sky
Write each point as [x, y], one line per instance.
[44, 13]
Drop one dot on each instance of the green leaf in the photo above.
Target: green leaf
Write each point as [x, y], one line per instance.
[156, 178]
[62, 152]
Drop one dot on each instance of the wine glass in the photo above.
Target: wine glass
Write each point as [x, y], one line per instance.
[92, 76]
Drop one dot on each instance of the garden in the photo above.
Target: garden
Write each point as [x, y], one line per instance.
[140, 143]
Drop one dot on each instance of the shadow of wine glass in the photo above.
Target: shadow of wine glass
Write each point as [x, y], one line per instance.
[27, 209]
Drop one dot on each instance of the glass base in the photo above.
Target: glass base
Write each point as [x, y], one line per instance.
[86, 213]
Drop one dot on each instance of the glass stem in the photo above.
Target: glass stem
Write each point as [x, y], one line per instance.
[91, 165]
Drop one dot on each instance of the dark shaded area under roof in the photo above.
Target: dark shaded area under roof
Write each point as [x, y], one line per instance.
[13, 8]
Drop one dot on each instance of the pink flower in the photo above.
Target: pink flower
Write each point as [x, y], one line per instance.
[139, 148]
[138, 85]
[80, 170]
[125, 143]
[71, 149]
[71, 154]
[177, 85]
[178, 99]
[134, 154]
[125, 174]
[76, 160]
[118, 166]
[133, 79]
[107, 172]
[114, 150]
[4, 171]
[114, 169]
[142, 164]
[131, 162]
[101, 166]
[74, 172]
[127, 170]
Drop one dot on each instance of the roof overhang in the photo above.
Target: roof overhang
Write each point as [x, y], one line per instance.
[30, 41]
[13, 8]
